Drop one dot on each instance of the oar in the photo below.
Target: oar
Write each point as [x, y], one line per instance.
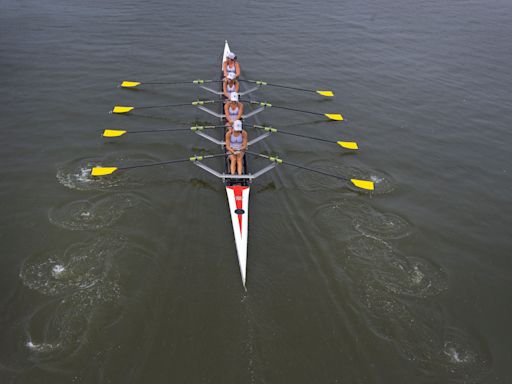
[320, 92]
[117, 133]
[344, 144]
[363, 184]
[134, 84]
[126, 109]
[102, 171]
[332, 116]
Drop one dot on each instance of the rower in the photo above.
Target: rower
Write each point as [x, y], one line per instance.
[231, 65]
[233, 109]
[230, 85]
[236, 144]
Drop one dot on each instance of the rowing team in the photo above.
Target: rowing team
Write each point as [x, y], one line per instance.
[236, 137]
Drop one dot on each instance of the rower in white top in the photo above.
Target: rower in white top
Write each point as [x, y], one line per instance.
[231, 65]
[230, 85]
[233, 109]
[236, 144]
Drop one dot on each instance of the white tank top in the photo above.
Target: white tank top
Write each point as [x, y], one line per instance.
[236, 141]
[233, 112]
[230, 88]
[231, 69]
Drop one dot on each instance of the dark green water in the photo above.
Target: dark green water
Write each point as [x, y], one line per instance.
[134, 278]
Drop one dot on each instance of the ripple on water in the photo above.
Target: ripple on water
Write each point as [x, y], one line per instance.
[348, 218]
[387, 269]
[95, 213]
[82, 278]
[76, 174]
[54, 332]
[335, 219]
[462, 356]
[381, 225]
[81, 266]
[438, 351]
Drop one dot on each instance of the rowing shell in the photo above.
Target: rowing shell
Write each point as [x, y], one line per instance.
[237, 186]
[238, 199]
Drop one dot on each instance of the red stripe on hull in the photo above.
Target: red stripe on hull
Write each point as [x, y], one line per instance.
[238, 189]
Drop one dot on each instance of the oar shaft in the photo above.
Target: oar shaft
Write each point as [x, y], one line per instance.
[315, 170]
[161, 130]
[164, 106]
[178, 129]
[281, 86]
[297, 110]
[178, 82]
[279, 107]
[301, 167]
[169, 162]
[154, 164]
[166, 83]
[298, 135]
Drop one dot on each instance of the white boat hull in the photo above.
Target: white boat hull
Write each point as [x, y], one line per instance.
[238, 198]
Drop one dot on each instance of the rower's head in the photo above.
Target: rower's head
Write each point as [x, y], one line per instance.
[231, 56]
[231, 76]
[234, 97]
[237, 125]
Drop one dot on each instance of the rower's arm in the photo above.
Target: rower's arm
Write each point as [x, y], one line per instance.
[240, 111]
[228, 143]
[224, 65]
[226, 113]
[244, 140]
[237, 68]
[224, 89]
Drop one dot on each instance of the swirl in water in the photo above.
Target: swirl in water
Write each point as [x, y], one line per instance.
[83, 277]
[76, 174]
[448, 353]
[95, 213]
[346, 219]
[80, 266]
[396, 273]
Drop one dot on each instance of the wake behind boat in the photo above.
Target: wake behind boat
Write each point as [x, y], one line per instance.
[237, 186]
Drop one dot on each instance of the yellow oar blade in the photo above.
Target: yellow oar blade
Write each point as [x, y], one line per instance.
[334, 116]
[121, 109]
[348, 144]
[102, 171]
[112, 133]
[363, 184]
[326, 93]
[129, 84]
